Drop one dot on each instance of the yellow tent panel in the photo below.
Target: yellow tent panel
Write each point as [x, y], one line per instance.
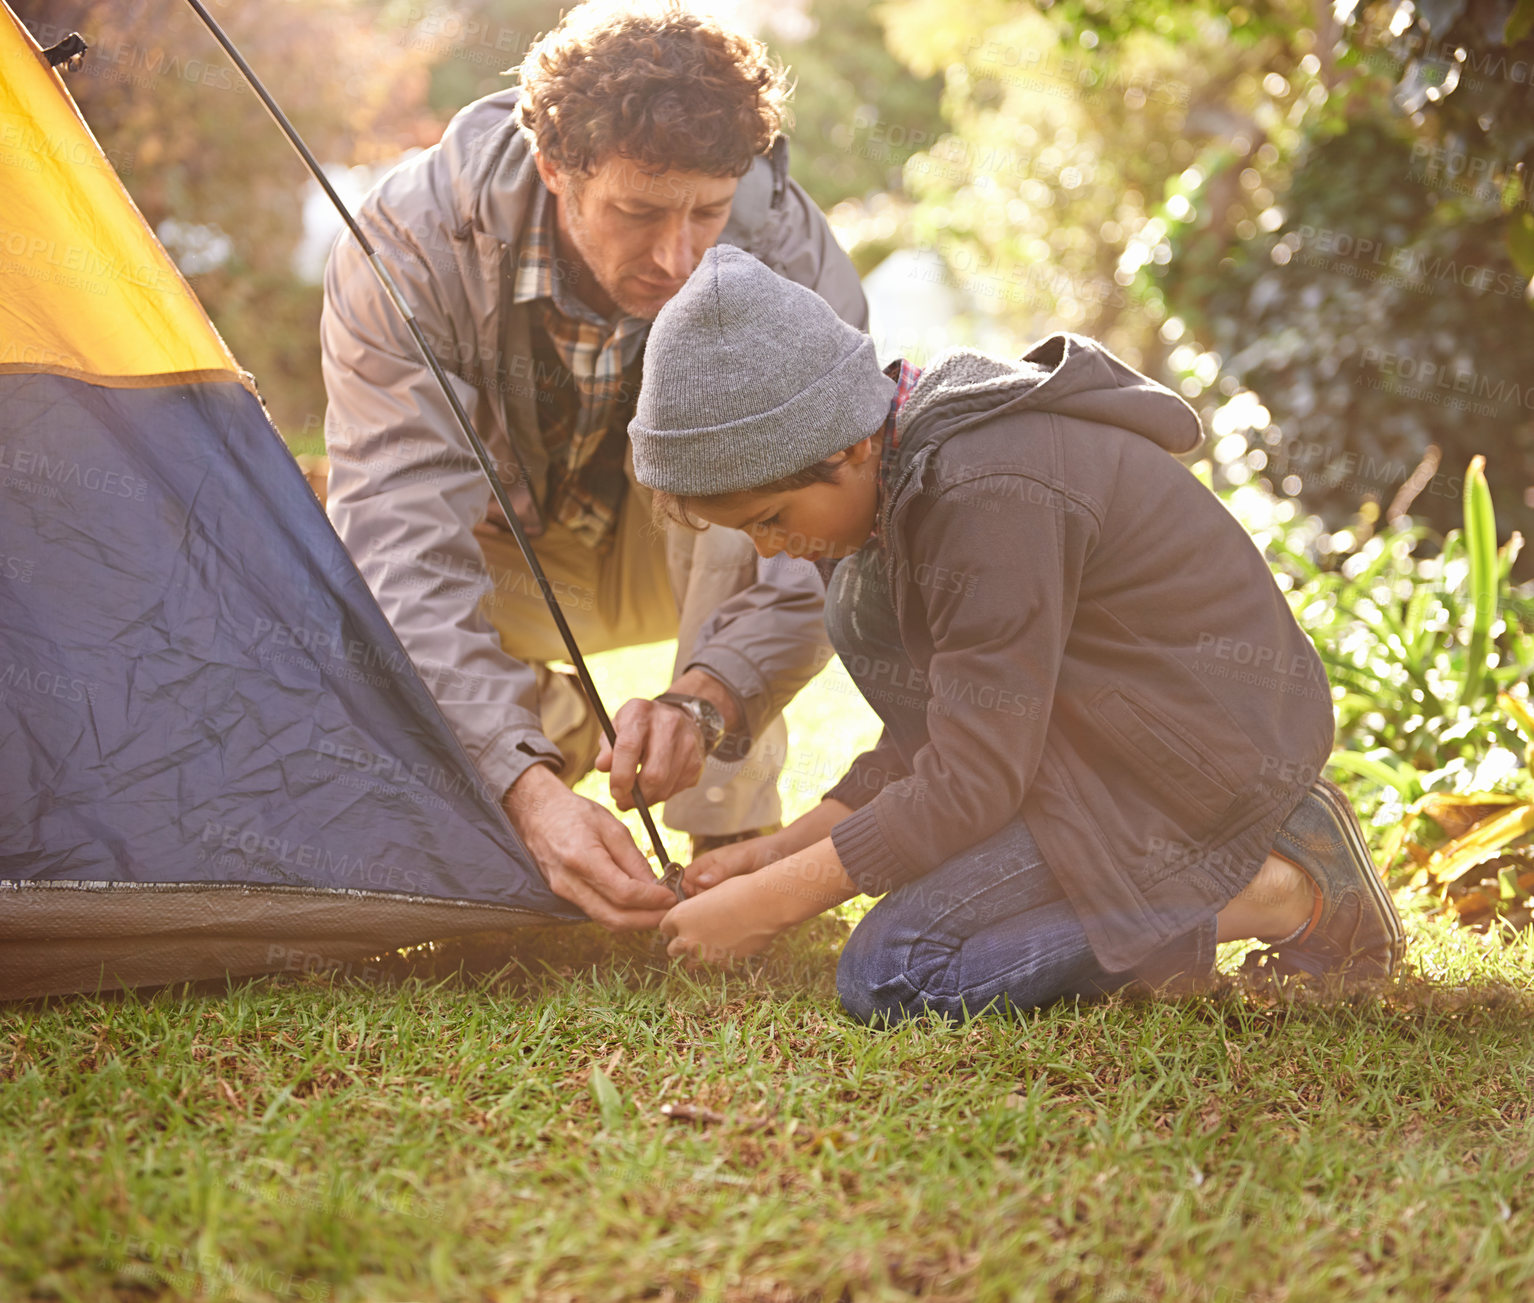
[85, 288]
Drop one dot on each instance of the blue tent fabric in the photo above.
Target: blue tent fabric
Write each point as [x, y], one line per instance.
[195, 684]
[215, 757]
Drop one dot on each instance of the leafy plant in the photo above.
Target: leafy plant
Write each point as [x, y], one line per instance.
[1429, 660]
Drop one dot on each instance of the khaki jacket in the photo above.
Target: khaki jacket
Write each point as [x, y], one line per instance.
[1104, 649]
[405, 493]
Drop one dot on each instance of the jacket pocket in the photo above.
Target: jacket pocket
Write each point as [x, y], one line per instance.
[1177, 766]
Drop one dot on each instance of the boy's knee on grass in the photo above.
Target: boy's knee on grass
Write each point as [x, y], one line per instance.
[863, 979]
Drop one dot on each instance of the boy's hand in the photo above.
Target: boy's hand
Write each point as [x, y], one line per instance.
[730, 921]
[729, 862]
[742, 914]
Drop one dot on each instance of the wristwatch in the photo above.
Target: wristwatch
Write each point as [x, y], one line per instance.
[703, 713]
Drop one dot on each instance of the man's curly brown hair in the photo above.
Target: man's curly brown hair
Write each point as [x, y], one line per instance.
[659, 86]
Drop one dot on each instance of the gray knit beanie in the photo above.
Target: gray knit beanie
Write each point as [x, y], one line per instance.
[749, 377]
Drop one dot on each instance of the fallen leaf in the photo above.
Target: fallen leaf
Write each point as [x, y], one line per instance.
[608, 1099]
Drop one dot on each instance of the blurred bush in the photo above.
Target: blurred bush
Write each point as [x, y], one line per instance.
[1384, 325]
[212, 174]
[1429, 660]
[1321, 214]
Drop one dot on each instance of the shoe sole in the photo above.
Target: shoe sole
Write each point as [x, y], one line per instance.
[1346, 818]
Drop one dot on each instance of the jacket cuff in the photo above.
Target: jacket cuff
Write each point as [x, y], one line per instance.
[510, 754]
[744, 682]
[858, 786]
[866, 854]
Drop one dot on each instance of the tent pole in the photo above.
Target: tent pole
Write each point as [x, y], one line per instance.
[672, 875]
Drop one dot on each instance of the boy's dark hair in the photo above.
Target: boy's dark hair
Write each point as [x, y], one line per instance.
[662, 87]
[667, 506]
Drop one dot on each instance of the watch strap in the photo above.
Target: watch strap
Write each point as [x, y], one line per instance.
[706, 715]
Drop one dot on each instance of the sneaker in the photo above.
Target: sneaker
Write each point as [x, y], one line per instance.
[1354, 932]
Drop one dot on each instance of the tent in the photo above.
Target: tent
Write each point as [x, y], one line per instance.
[215, 756]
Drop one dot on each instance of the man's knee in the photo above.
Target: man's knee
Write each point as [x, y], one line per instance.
[708, 566]
[568, 722]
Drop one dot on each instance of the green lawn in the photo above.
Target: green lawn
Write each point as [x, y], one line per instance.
[569, 1118]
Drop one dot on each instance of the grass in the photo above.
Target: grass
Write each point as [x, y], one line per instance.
[567, 1117]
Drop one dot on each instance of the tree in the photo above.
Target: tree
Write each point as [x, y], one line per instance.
[1383, 313]
[212, 174]
[1197, 185]
[858, 112]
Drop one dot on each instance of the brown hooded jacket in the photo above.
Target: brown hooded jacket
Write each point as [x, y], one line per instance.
[1103, 646]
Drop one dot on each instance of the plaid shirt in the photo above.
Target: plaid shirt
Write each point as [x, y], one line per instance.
[905, 377]
[587, 371]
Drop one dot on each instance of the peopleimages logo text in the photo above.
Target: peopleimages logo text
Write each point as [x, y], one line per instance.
[302, 862]
[1413, 264]
[1419, 377]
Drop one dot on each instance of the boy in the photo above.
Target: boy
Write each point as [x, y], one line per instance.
[1103, 728]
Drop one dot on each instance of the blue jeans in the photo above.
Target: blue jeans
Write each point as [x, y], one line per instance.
[988, 929]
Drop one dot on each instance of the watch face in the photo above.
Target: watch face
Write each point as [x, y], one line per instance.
[709, 720]
[703, 713]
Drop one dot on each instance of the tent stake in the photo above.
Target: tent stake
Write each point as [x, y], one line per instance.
[672, 874]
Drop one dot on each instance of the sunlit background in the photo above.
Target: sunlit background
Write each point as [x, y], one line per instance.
[1316, 224]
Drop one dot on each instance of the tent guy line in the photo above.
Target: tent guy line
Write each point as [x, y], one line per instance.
[672, 871]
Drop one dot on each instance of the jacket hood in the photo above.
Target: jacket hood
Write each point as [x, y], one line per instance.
[1066, 374]
[475, 182]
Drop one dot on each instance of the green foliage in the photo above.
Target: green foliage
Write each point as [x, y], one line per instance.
[1417, 648]
[1072, 126]
[1382, 324]
[471, 44]
[858, 113]
[1234, 196]
[1429, 659]
[1464, 71]
[1379, 303]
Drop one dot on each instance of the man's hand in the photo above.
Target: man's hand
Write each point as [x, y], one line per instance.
[586, 855]
[663, 740]
[661, 743]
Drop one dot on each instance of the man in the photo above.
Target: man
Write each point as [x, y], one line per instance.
[536, 242]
